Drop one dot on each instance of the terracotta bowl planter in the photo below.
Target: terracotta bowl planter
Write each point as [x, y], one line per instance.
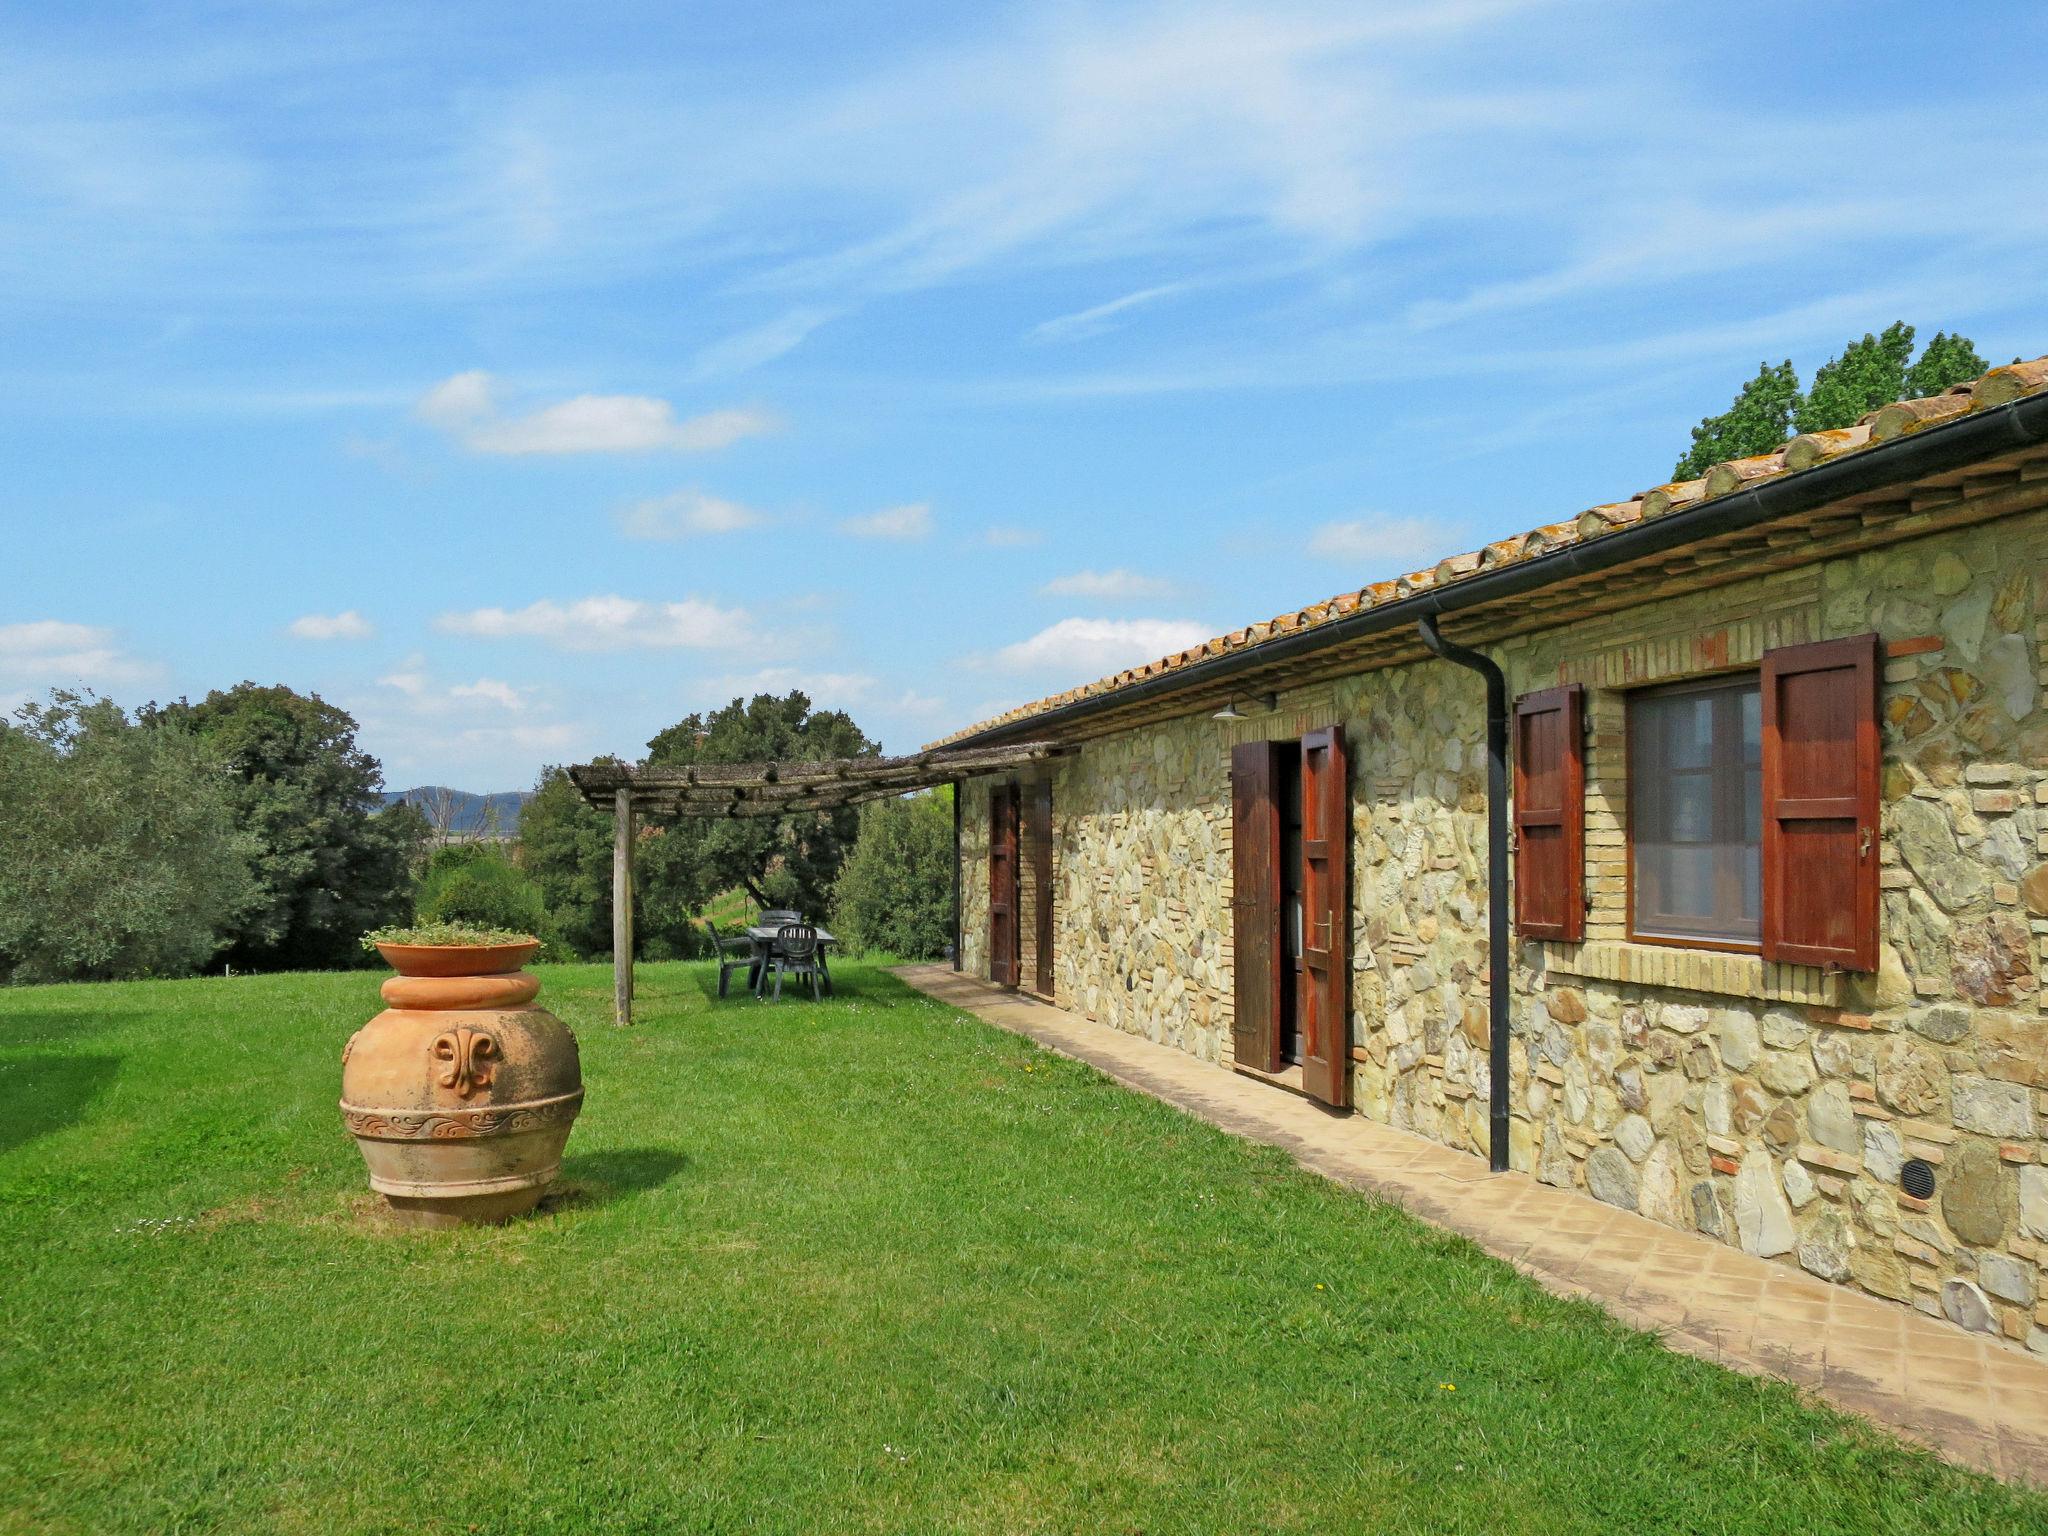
[460, 1094]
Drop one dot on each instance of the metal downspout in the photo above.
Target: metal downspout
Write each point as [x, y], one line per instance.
[1498, 1004]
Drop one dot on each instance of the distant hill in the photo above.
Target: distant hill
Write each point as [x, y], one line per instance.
[462, 812]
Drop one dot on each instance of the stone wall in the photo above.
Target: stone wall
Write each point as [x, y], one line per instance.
[1765, 1106]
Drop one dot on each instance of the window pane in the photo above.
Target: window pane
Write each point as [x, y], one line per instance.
[1696, 811]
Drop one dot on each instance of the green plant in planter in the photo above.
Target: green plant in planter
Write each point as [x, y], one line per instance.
[444, 934]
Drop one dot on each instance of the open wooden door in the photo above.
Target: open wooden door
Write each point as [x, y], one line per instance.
[1038, 848]
[1324, 1005]
[1002, 885]
[1257, 947]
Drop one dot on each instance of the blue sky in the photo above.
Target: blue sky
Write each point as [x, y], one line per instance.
[524, 377]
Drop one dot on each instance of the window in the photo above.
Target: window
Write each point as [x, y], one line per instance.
[1696, 812]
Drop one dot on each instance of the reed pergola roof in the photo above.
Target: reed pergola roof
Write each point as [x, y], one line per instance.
[783, 788]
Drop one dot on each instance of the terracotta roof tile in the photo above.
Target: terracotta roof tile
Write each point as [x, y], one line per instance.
[1997, 387]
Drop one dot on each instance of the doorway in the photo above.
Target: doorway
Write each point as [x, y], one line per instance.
[1002, 885]
[1291, 914]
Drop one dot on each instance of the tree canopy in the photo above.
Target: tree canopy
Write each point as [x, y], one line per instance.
[565, 847]
[1866, 374]
[120, 855]
[779, 861]
[331, 862]
[895, 892]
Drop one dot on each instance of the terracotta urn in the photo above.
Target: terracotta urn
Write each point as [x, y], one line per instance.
[461, 1093]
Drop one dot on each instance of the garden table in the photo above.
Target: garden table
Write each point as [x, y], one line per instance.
[763, 936]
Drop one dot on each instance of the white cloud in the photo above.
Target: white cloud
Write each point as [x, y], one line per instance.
[346, 625]
[912, 520]
[465, 407]
[490, 691]
[1389, 545]
[410, 679]
[1116, 583]
[1013, 538]
[682, 513]
[832, 690]
[609, 623]
[1081, 649]
[53, 653]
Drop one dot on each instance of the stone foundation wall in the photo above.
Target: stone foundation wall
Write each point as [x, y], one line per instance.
[1765, 1106]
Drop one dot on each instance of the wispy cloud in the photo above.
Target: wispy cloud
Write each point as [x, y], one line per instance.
[1078, 650]
[346, 625]
[683, 513]
[609, 623]
[54, 653]
[760, 344]
[490, 690]
[1388, 545]
[465, 407]
[912, 520]
[1013, 538]
[1092, 321]
[1108, 584]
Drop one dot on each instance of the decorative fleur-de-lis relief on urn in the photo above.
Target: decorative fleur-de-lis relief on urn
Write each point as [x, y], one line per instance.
[466, 1055]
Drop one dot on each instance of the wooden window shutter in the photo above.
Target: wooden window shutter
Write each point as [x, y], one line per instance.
[1550, 814]
[1323, 1008]
[1820, 803]
[1256, 942]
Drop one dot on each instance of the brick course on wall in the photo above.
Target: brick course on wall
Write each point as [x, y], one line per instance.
[1765, 1106]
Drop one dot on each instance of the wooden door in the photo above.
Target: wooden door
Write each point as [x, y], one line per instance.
[1323, 1009]
[1038, 847]
[1257, 946]
[1002, 885]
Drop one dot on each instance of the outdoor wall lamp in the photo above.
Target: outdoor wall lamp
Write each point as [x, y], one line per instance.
[1261, 704]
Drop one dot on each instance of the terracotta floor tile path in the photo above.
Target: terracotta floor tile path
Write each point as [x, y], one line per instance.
[1974, 1400]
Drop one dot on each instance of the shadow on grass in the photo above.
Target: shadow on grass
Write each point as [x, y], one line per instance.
[41, 1094]
[46, 1026]
[600, 1178]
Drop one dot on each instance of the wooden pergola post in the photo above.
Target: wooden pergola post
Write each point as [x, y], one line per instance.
[622, 908]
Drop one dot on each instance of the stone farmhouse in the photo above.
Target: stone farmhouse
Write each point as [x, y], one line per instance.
[1692, 853]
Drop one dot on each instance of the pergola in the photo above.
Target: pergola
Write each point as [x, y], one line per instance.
[764, 789]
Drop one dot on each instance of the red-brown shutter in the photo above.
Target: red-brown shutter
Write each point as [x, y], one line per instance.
[1255, 934]
[1550, 814]
[1324, 1006]
[1820, 804]
[1002, 885]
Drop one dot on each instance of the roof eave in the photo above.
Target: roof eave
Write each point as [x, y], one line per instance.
[1934, 450]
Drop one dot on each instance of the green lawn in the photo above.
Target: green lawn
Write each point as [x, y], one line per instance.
[870, 1266]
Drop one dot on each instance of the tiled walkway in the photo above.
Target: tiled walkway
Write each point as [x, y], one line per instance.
[1975, 1401]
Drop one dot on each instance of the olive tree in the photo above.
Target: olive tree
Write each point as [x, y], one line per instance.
[119, 851]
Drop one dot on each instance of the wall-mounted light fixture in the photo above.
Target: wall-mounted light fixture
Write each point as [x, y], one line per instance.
[1254, 704]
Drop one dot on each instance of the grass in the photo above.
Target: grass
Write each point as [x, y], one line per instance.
[869, 1266]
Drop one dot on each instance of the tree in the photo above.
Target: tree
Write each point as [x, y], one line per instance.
[565, 846]
[1758, 420]
[895, 892]
[475, 883]
[331, 862]
[1946, 361]
[1869, 373]
[119, 853]
[779, 861]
